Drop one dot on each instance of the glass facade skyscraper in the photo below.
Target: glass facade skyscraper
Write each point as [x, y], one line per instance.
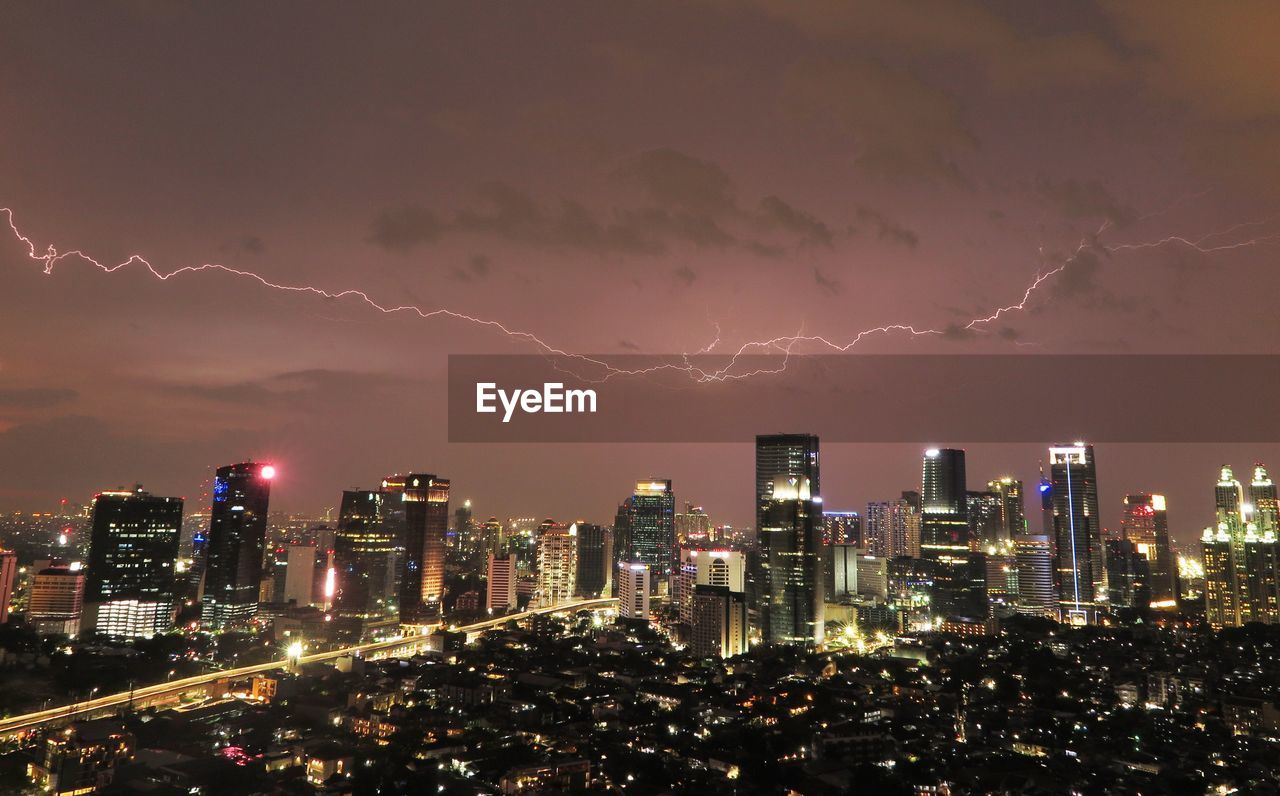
[234, 550]
[651, 527]
[130, 582]
[426, 525]
[959, 572]
[790, 565]
[1077, 532]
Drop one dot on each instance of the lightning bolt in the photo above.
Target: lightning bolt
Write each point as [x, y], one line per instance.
[784, 345]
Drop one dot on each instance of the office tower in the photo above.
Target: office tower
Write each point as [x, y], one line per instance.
[707, 568]
[57, 599]
[983, 511]
[873, 576]
[1128, 574]
[693, 525]
[365, 546]
[959, 577]
[8, 574]
[1146, 524]
[1037, 595]
[791, 597]
[911, 585]
[633, 590]
[841, 527]
[557, 563]
[789, 455]
[234, 551]
[494, 539]
[651, 530]
[595, 561]
[1262, 501]
[1259, 578]
[1229, 499]
[426, 505]
[1013, 521]
[1221, 606]
[840, 570]
[82, 758]
[130, 581]
[1082, 580]
[300, 574]
[718, 627]
[892, 528]
[1002, 577]
[462, 536]
[502, 583]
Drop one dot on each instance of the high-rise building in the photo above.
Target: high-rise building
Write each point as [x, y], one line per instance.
[791, 587]
[892, 528]
[1002, 577]
[985, 522]
[557, 563]
[718, 567]
[1037, 595]
[1146, 524]
[1128, 576]
[365, 550]
[1265, 511]
[493, 537]
[8, 575]
[1013, 521]
[300, 574]
[426, 504]
[718, 625]
[1081, 577]
[633, 590]
[595, 560]
[1259, 578]
[56, 601]
[1221, 604]
[502, 583]
[693, 526]
[789, 455]
[131, 578]
[959, 573]
[840, 570]
[1240, 553]
[651, 530]
[873, 576]
[234, 551]
[841, 527]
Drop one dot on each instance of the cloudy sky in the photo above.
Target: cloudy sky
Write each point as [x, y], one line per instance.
[611, 178]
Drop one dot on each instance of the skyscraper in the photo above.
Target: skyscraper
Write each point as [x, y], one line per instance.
[1221, 606]
[718, 626]
[595, 560]
[1146, 524]
[234, 550]
[633, 590]
[426, 500]
[1128, 577]
[1013, 522]
[57, 599]
[1082, 581]
[651, 529]
[784, 455]
[707, 567]
[8, 573]
[557, 563]
[502, 583]
[1262, 500]
[790, 579]
[959, 573]
[1037, 595]
[892, 529]
[364, 556]
[841, 527]
[130, 582]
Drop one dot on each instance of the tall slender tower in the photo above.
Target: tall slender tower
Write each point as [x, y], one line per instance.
[364, 556]
[1262, 500]
[1013, 521]
[959, 581]
[784, 455]
[557, 563]
[1082, 580]
[651, 527]
[1146, 524]
[426, 524]
[234, 551]
[791, 590]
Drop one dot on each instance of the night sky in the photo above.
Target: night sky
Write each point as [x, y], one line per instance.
[613, 178]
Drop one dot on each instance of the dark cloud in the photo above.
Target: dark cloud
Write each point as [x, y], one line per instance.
[956, 332]
[404, 228]
[774, 212]
[674, 179]
[828, 285]
[477, 270]
[293, 389]
[627, 345]
[1083, 199]
[35, 397]
[686, 275]
[886, 229]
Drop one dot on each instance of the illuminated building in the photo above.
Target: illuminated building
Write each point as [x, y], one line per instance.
[784, 455]
[873, 576]
[983, 510]
[1221, 606]
[1037, 595]
[300, 574]
[1146, 524]
[718, 626]
[911, 590]
[959, 576]
[707, 568]
[633, 590]
[841, 527]
[693, 525]
[1259, 578]
[892, 528]
[1262, 501]
[234, 551]
[650, 526]
[1013, 521]
[82, 758]
[426, 500]
[57, 599]
[502, 583]
[595, 561]
[8, 574]
[840, 570]
[1081, 578]
[365, 547]
[491, 533]
[130, 580]
[1128, 576]
[1002, 576]
[791, 589]
[557, 563]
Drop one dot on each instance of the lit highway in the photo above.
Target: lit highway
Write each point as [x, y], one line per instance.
[166, 691]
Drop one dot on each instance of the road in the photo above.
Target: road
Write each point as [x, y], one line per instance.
[103, 705]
